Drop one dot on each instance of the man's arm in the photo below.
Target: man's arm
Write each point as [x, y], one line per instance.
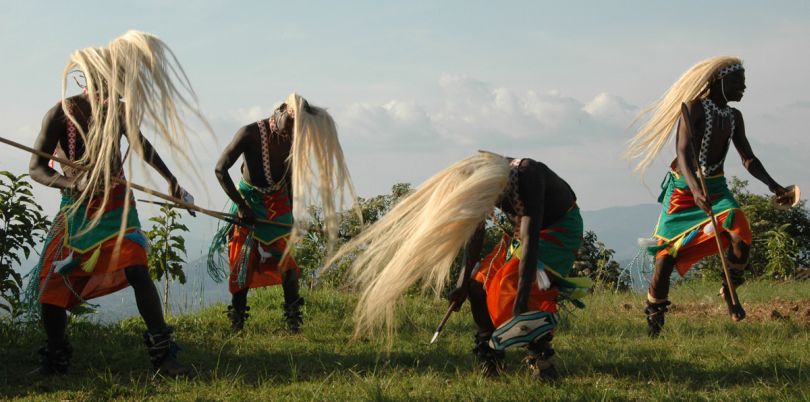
[686, 157]
[47, 140]
[471, 256]
[749, 161]
[533, 188]
[151, 157]
[229, 156]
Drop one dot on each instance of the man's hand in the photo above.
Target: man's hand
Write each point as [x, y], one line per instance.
[783, 196]
[458, 295]
[520, 307]
[80, 184]
[702, 201]
[246, 215]
[180, 193]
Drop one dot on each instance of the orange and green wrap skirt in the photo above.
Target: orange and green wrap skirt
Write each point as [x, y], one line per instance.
[682, 230]
[79, 264]
[557, 249]
[255, 254]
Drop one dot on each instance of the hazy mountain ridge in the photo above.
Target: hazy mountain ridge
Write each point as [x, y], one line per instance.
[620, 227]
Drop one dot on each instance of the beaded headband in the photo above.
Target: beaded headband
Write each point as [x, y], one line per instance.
[728, 70]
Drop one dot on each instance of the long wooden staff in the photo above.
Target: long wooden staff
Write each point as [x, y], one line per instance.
[446, 317]
[453, 306]
[732, 291]
[178, 202]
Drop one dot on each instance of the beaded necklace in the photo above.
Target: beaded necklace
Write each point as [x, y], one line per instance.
[264, 134]
[710, 109]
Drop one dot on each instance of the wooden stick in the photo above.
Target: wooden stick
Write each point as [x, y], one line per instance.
[178, 202]
[726, 272]
[446, 317]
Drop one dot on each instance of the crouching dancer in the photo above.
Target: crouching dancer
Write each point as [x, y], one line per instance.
[96, 246]
[514, 294]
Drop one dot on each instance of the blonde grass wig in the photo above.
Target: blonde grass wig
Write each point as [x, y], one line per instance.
[664, 113]
[419, 238]
[319, 171]
[134, 80]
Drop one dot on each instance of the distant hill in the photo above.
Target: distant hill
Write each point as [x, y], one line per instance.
[198, 292]
[620, 227]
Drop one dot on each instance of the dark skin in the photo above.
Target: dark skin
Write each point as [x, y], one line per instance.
[546, 198]
[730, 88]
[54, 132]
[247, 142]
[734, 85]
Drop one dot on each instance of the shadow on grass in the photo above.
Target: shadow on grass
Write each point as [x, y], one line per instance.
[652, 364]
[111, 362]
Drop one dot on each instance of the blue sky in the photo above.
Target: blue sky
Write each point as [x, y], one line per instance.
[415, 86]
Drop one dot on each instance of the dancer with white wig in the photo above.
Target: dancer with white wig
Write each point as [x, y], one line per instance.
[684, 233]
[291, 160]
[514, 293]
[96, 246]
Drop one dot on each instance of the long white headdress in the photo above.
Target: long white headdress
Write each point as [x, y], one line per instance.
[137, 80]
[664, 113]
[319, 171]
[419, 238]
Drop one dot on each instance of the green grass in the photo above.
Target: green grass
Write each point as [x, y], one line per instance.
[602, 353]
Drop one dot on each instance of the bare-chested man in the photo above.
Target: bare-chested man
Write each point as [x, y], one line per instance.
[87, 254]
[684, 233]
[271, 172]
[517, 285]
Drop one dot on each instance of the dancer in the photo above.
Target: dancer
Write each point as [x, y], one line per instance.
[684, 234]
[96, 246]
[273, 200]
[420, 237]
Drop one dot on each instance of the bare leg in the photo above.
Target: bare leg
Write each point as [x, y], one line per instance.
[239, 299]
[658, 295]
[480, 313]
[158, 337]
[238, 310]
[146, 297]
[491, 360]
[289, 283]
[737, 258]
[54, 319]
[57, 352]
[292, 300]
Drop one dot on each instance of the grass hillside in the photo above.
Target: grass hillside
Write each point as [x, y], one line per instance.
[603, 354]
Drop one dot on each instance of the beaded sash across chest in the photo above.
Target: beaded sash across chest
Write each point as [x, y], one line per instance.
[71, 151]
[710, 109]
[512, 188]
[264, 134]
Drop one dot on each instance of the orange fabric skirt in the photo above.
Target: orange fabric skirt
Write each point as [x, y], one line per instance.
[259, 274]
[500, 279]
[704, 245]
[105, 278]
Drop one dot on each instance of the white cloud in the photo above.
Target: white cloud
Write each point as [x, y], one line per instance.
[470, 112]
[392, 125]
[611, 108]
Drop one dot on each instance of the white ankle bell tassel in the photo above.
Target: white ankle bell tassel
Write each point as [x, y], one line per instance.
[263, 254]
[542, 280]
[63, 265]
[645, 242]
